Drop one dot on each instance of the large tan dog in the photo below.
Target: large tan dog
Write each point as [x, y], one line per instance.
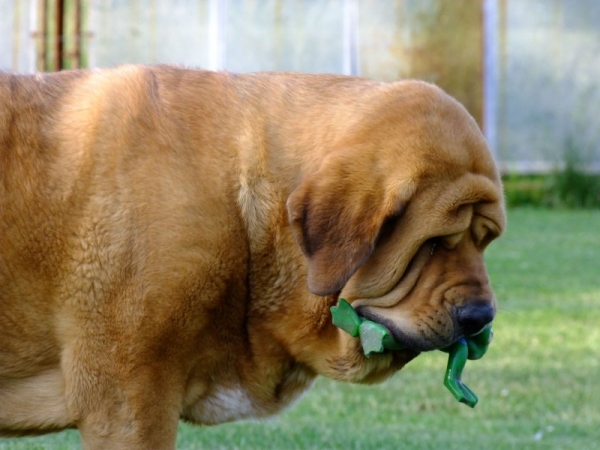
[171, 241]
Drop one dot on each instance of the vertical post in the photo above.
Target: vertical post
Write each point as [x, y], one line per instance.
[59, 41]
[76, 62]
[92, 23]
[490, 73]
[42, 35]
[502, 88]
[350, 37]
[216, 34]
[36, 28]
[16, 36]
[564, 97]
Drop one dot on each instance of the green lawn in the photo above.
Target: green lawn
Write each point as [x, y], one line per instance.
[539, 384]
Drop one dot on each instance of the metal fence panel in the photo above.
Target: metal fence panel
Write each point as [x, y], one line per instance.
[148, 31]
[549, 84]
[289, 35]
[528, 70]
[17, 25]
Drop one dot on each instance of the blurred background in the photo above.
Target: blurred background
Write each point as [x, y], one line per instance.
[529, 72]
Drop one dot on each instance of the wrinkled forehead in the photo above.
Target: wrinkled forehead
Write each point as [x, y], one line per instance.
[451, 167]
[443, 207]
[432, 133]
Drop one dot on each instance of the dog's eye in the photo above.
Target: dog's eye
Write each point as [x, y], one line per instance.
[387, 228]
[451, 241]
[446, 242]
[434, 242]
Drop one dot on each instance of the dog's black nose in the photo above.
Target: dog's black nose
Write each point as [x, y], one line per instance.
[473, 317]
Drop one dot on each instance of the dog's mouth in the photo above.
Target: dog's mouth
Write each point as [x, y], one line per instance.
[376, 338]
[404, 339]
[427, 309]
[369, 308]
[403, 332]
[413, 337]
[376, 335]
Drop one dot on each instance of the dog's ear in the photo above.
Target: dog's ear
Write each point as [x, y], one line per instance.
[336, 219]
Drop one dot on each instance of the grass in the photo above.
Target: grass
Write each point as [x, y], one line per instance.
[537, 385]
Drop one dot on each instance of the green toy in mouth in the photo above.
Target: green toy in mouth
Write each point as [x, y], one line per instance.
[375, 338]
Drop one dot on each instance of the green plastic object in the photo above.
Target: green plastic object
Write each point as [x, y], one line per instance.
[473, 347]
[375, 338]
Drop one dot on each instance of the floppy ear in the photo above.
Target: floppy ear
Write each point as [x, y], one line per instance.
[336, 222]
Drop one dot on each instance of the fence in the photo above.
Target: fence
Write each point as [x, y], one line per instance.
[528, 70]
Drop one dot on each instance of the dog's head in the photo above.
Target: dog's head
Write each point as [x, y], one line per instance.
[398, 215]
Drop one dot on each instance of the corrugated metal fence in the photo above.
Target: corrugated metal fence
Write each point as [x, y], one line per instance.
[528, 70]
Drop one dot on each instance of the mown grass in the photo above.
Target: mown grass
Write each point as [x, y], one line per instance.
[538, 384]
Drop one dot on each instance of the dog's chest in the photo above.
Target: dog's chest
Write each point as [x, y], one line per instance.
[235, 401]
[224, 404]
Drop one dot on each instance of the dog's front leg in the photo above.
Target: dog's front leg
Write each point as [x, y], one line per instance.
[121, 405]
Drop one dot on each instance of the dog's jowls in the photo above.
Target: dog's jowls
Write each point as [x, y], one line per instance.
[171, 241]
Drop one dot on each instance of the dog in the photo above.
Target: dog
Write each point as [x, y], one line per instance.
[172, 241]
